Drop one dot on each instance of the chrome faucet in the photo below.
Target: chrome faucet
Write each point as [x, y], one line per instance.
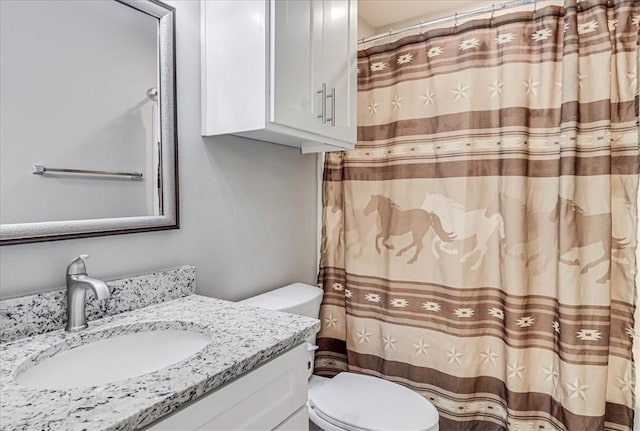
[77, 285]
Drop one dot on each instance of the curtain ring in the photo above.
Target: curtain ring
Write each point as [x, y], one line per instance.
[455, 22]
[493, 12]
[535, 8]
[421, 28]
[579, 5]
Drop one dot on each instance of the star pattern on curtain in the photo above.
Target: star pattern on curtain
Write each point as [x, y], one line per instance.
[496, 88]
[427, 98]
[460, 92]
[434, 51]
[464, 312]
[389, 342]
[372, 107]
[516, 370]
[551, 374]
[454, 356]
[337, 286]
[378, 66]
[542, 34]
[496, 312]
[625, 382]
[530, 86]
[399, 303]
[525, 321]
[363, 336]
[421, 347]
[405, 58]
[577, 389]
[373, 297]
[431, 306]
[505, 38]
[331, 321]
[468, 44]
[396, 103]
[489, 356]
[589, 334]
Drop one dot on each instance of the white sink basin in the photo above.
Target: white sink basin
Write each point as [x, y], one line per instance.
[117, 358]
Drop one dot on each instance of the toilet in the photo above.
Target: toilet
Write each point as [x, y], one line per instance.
[350, 401]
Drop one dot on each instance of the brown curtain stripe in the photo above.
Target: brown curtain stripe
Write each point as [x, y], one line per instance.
[567, 166]
[602, 110]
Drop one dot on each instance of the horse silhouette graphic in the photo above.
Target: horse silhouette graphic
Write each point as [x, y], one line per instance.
[579, 229]
[464, 224]
[394, 221]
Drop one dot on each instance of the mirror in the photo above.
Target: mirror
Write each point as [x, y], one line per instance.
[88, 141]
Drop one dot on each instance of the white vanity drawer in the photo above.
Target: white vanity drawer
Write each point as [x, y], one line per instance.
[259, 400]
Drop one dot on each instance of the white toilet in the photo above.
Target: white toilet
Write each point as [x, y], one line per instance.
[350, 401]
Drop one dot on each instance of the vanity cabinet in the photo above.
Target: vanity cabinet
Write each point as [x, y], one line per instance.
[270, 397]
[281, 71]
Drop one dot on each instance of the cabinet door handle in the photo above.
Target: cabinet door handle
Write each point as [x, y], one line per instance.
[323, 94]
[333, 107]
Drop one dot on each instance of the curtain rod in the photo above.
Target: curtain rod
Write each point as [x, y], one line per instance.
[493, 8]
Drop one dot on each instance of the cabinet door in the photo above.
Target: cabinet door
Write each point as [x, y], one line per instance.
[339, 67]
[274, 393]
[292, 90]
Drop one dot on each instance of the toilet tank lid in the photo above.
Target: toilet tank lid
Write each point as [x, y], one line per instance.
[296, 296]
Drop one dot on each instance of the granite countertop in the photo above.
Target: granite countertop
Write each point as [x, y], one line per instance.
[243, 337]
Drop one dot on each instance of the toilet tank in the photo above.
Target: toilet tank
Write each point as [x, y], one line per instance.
[296, 298]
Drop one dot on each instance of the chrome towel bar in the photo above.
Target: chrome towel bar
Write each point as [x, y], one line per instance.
[41, 170]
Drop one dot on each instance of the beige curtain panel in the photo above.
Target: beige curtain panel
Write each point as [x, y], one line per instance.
[478, 244]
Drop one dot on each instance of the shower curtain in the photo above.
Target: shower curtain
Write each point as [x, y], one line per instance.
[478, 243]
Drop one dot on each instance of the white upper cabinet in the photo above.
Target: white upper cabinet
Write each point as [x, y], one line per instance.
[282, 71]
[339, 66]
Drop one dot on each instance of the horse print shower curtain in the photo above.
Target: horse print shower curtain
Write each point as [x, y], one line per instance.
[478, 243]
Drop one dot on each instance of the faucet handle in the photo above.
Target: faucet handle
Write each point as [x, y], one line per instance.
[77, 266]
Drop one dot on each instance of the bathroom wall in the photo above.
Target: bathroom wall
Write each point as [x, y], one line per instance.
[248, 210]
[364, 29]
[57, 61]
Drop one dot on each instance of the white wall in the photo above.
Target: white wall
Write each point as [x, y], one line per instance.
[248, 210]
[74, 77]
[364, 29]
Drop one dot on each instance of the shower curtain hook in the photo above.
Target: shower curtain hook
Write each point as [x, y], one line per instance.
[455, 22]
[493, 12]
[535, 8]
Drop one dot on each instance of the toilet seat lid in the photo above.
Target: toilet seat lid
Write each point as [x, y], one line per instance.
[359, 402]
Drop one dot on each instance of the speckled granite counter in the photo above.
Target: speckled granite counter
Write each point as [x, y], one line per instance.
[243, 337]
[34, 314]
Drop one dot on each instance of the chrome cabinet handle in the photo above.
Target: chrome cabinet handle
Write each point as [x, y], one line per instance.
[333, 107]
[323, 94]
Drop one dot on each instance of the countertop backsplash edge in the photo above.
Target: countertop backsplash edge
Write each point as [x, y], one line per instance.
[38, 313]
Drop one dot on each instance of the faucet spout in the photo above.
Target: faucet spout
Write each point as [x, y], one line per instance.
[98, 287]
[78, 282]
